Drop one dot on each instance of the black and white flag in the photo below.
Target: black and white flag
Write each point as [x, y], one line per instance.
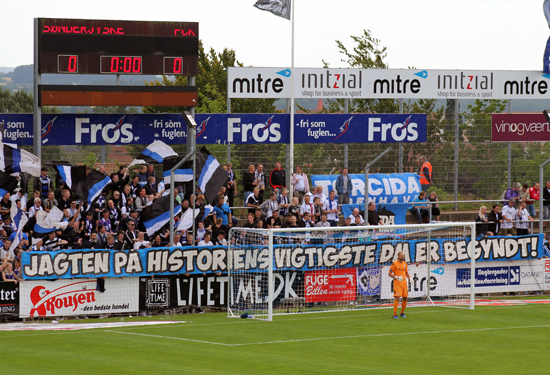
[157, 215]
[90, 188]
[14, 160]
[212, 176]
[154, 153]
[280, 8]
[70, 174]
[183, 174]
[7, 184]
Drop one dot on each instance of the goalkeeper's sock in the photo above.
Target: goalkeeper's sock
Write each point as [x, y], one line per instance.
[403, 305]
[395, 306]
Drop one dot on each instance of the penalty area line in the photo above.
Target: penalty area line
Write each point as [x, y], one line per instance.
[168, 337]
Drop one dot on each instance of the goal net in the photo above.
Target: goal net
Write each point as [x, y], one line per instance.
[284, 271]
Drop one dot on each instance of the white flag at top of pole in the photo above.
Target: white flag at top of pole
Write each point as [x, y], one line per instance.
[280, 8]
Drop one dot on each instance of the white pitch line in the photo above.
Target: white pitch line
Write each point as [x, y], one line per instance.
[168, 337]
[330, 338]
[388, 334]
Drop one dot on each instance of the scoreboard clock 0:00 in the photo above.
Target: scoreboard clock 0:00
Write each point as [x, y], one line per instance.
[117, 47]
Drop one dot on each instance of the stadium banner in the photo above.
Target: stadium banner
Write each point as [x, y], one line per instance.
[9, 299]
[245, 82]
[519, 127]
[368, 281]
[310, 128]
[78, 297]
[333, 285]
[121, 129]
[389, 213]
[547, 274]
[208, 290]
[383, 188]
[96, 129]
[359, 250]
[491, 277]
[288, 285]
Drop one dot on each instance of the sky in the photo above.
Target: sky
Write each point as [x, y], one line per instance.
[425, 34]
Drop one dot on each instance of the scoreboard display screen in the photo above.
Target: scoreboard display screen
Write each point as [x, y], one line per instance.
[117, 47]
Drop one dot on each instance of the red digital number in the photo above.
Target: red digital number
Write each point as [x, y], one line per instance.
[72, 63]
[67, 63]
[114, 64]
[173, 65]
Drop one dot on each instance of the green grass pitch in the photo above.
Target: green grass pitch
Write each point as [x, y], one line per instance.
[431, 340]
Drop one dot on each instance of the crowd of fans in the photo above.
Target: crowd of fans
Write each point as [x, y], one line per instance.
[113, 222]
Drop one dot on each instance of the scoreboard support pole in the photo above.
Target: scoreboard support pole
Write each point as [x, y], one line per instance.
[36, 109]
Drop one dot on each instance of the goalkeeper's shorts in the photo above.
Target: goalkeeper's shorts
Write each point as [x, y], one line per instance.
[400, 288]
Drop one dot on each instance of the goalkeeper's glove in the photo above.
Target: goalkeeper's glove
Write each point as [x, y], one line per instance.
[399, 278]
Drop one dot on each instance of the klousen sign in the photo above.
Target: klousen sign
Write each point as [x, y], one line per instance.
[43, 298]
[520, 127]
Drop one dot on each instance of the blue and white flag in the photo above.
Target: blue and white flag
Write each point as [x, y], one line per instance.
[47, 222]
[155, 216]
[183, 174]
[187, 218]
[7, 184]
[19, 218]
[14, 160]
[154, 153]
[280, 8]
[70, 174]
[212, 176]
[90, 188]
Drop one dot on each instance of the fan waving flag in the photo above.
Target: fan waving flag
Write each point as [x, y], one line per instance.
[155, 216]
[183, 174]
[280, 8]
[212, 176]
[186, 221]
[90, 188]
[154, 153]
[71, 175]
[19, 218]
[7, 184]
[13, 160]
[47, 222]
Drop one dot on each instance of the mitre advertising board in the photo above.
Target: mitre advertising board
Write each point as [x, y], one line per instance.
[387, 83]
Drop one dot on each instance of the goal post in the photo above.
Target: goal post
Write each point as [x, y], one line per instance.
[302, 270]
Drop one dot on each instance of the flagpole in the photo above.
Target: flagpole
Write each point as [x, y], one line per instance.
[289, 173]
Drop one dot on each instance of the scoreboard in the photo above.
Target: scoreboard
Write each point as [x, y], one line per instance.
[79, 46]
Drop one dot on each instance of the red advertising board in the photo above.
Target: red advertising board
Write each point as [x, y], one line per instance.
[519, 127]
[331, 285]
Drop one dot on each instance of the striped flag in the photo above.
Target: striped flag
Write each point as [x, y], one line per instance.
[47, 222]
[183, 174]
[19, 218]
[13, 160]
[280, 8]
[186, 221]
[212, 176]
[91, 187]
[71, 175]
[157, 215]
[7, 184]
[154, 153]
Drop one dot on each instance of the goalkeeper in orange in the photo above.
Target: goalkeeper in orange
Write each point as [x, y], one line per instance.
[399, 273]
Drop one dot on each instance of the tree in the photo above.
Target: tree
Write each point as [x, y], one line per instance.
[20, 102]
